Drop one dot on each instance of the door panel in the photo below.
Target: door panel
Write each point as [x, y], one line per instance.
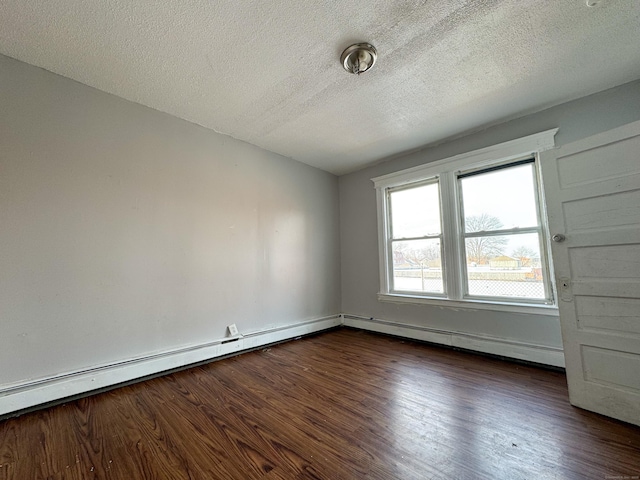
[580, 167]
[608, 315]
[596, 213]
[613, 262]
[592, 191]
[610, 367]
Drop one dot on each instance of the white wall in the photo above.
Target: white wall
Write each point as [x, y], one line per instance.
[359, 246]
[126, 232]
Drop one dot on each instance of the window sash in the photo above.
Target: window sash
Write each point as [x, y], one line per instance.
[467, 173]
[389, 191]
[538, 229]
[546, 300]
[421, 293]
[391, 239]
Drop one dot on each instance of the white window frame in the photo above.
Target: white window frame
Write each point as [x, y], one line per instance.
[446, 172]
[390, 237]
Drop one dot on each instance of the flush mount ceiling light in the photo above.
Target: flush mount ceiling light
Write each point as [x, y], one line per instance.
[358, 58]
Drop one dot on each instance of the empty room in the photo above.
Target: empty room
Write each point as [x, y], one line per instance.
[328, 240]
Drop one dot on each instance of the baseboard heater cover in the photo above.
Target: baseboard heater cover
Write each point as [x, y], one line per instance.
[18, 397]
[546, 355]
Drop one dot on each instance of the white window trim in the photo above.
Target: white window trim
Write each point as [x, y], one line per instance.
[477, 159]
[472, 304]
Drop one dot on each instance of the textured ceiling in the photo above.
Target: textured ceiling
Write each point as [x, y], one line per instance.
[268, 72]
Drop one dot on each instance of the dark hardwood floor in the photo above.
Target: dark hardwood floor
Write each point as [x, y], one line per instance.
[340, 405]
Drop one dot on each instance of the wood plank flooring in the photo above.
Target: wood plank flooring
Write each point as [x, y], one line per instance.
[340, 405]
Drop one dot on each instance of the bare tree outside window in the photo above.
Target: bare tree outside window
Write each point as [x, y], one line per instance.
[424, 256]
[481, 249]
[418, 260]
[525, 255]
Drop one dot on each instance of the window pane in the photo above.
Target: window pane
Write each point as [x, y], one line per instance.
[505, 266]
[417, 266]
[415, 212]
[501, 199]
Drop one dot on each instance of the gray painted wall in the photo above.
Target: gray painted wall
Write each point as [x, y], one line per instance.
[358, 220]
[125, 231]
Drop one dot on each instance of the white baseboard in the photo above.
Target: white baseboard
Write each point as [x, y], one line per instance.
[14, 398]
[18, 397]
[497, 346]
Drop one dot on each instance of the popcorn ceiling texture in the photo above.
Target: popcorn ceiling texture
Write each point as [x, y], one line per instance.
[269, 73]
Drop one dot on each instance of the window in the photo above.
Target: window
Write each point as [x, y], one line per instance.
[468, 230]
[416, 238]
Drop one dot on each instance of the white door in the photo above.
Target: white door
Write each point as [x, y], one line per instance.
[592, 190]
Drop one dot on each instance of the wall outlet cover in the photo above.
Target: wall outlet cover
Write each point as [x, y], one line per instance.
[233, 329]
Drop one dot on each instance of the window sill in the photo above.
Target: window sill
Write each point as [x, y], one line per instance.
[549, 310]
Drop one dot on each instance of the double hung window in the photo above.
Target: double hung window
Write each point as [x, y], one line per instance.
[416, 237]
[468, 229]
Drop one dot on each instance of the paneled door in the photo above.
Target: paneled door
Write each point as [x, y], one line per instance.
[592, 192]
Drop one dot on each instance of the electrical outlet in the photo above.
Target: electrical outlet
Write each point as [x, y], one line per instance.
[233, 329]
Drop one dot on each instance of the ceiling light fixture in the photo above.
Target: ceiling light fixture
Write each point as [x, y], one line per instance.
[358, 58]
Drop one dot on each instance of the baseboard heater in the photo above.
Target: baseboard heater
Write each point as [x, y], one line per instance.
[25, 395]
